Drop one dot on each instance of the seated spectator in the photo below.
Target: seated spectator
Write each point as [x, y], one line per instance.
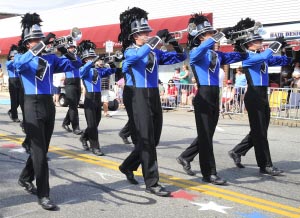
[228, 93]
[170, 98]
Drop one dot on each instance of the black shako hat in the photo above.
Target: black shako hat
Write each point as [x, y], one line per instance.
[247, 33]
[86, 49]
[198, 24]
[12, 51]
[31, 27]
[132, 21]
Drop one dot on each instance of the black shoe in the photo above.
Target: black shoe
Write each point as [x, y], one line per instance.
[66, 127]
[158, 190]
[214, 179]
[26, 147]
[273, 171]
[84, 143]
[16, 120]
[97, 151]
[129, 175]
[186, 166]
[47, 204]
[77, 131]
[29, 186]
[124, 138]
[236, 159]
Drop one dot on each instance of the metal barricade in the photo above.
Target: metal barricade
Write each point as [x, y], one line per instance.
[232, 99]
[178, 96]
[284, 102]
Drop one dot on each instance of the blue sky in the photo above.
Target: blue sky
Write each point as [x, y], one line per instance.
[24, 6]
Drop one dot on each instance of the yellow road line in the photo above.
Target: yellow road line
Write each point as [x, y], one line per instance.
[179, 182]
[230, 198]
[236, 194]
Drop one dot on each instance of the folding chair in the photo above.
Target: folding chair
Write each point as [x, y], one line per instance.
[276, 101]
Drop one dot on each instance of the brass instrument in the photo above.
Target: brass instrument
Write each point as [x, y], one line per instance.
[243, 34]
[115, 57]
[177, 35]
[75, 35]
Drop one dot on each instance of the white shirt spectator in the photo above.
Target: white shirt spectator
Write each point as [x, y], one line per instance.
[58, 79]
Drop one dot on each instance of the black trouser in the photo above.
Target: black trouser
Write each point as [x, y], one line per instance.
[257, 105]
[73, 92]
[132, 162]
[190, 153]
[16, 93]
[147, 115]
[129, 128]
[206, 105]
[92, 112]
[40, 117]
[125, 131]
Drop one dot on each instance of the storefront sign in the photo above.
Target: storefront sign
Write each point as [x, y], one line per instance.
[285, 34]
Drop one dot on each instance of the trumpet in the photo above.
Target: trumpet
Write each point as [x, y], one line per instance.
[177, 35]
[75, 35]
[114, 58]
[242, 34]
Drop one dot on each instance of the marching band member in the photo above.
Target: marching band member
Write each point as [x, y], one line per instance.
[15, 87]
[205, 63]
[141, 64]
[256, 97]
[91, 78]
[73, 93]
[36, 72]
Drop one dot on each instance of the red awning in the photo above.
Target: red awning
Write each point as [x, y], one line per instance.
[100, 34]
[226, 48]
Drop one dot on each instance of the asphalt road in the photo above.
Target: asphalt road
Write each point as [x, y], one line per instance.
[84, 185]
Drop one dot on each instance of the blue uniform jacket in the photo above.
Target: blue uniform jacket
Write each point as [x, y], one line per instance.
[257, 65]
[201, 58]
[91, 76]
[72, 74]
[11, 69]
[37, 71]
[141, 73]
